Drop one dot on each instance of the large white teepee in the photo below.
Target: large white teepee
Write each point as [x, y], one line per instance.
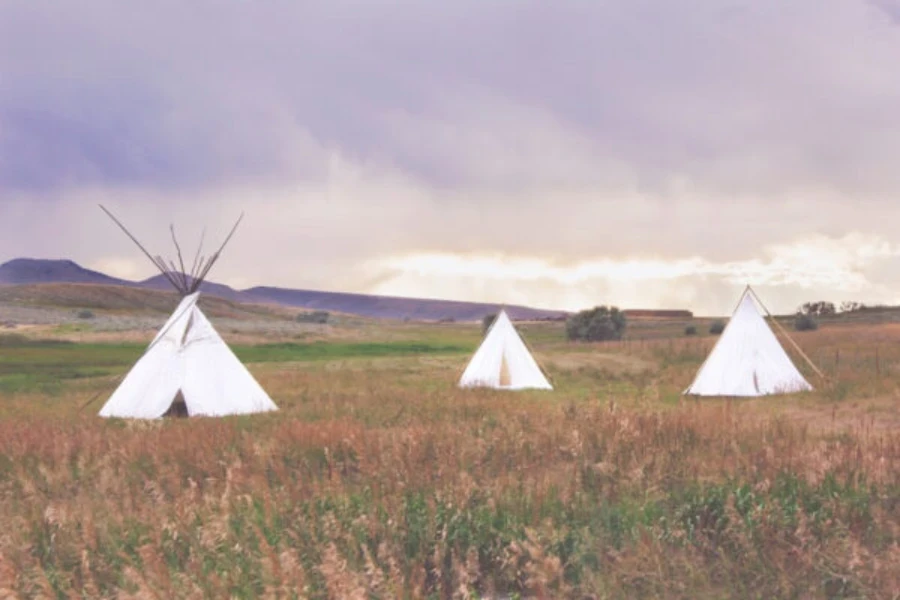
[747, 360]
[187, 369]
[503, 361]
[187, 360]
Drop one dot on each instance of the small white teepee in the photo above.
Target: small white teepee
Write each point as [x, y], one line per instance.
[503, 361]
[188, 369]
[747, 360]
[187, 359]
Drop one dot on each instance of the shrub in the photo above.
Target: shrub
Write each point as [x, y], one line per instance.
[717, 327]
[690, 330]
[316, 316]
[85, 314]
[487, 321]
[805, 323]
[597, 324]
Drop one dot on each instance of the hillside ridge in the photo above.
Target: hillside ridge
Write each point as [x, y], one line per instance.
[30, 271]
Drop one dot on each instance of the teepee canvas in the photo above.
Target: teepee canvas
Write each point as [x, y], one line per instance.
[747, 360]
[503, 361]
[187, 369]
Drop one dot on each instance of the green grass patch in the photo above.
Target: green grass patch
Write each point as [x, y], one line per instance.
[289, 352]
[42, 365]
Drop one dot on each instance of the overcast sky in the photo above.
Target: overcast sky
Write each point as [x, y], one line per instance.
[645, 153]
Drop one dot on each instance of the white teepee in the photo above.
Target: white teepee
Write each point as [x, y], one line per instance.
[503, 361]
[188, 368]
[189, 359]
[747, 360]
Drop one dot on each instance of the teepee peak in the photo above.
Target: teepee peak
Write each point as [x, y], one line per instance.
[185, 281]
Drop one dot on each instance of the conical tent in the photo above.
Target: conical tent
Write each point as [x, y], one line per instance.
[503, 361]
[188, 368]
[187, 360]
[747, 360]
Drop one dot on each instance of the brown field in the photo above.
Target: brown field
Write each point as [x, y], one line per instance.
[379, 479]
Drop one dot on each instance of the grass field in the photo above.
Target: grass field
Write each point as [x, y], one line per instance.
[379, 479]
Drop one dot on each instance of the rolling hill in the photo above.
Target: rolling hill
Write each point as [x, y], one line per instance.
[31, 271]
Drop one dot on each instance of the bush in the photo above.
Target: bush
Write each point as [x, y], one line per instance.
[717, 327]
[317, 316]
[487, 321]
[597, 324]
[690, 330]
[805, 323]
[85, 314]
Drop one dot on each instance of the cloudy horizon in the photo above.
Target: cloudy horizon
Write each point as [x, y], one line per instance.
[641, 153]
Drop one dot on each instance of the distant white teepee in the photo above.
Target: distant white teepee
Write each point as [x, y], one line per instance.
[503, 361]
[747, 360]
[188, 361]
[188, 369]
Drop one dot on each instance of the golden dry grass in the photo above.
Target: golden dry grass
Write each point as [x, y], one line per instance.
[379, 479]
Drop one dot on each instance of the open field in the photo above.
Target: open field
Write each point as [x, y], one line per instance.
[379, 479]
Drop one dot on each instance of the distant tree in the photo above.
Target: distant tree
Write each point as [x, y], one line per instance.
[319, 317]
[85, 314]
[487, 321]
[851, 306]
[805, 322]
[690, 330]
[717, 327]
[821, 308]
[597, 324]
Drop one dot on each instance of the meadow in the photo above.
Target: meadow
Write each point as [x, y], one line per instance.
[378, 478]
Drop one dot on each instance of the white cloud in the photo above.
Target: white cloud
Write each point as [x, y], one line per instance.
[122, 268]
[816, 264]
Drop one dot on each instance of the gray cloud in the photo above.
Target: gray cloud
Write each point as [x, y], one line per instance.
[357, 129]
[733, 97]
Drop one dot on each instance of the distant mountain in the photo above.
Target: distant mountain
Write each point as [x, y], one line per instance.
[391, 307]
[34, 271]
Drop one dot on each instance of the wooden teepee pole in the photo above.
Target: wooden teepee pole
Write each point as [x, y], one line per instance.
[182, 274]
[212, 260]
[159, 265]
[790, 339]
[527, 346]
[198, 258]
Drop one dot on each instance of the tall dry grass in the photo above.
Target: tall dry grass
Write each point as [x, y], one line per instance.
[378, 479]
